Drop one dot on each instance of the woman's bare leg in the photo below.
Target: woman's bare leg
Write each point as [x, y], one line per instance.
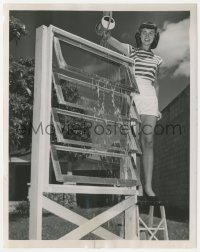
[147, 133]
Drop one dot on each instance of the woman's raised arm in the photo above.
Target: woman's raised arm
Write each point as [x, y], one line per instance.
[121, 47]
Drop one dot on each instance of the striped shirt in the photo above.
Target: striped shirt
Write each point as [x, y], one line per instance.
[146, 63]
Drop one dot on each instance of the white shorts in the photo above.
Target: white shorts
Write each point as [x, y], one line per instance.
[146, 101]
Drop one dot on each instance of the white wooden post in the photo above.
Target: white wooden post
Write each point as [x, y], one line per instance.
[163, 217]
[47, 105]
[131, 218]
[40, 140]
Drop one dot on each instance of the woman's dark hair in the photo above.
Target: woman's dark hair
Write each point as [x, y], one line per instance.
[148, 25]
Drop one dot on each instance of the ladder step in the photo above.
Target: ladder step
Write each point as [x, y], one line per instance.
[152, 228]
[143, 229]
[151, 203]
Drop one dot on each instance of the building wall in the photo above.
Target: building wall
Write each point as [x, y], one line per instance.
[171, 161]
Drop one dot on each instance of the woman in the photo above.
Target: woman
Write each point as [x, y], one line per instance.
[146, 72]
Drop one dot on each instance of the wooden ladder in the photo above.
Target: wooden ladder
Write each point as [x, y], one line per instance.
[149, 231]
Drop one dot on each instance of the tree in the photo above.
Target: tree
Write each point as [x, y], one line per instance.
[21, 80]
[16, 29]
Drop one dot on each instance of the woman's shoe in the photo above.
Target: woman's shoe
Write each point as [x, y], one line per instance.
[151, 198]
[154, 200]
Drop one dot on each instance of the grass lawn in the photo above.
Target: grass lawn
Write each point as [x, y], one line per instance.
[55, 227]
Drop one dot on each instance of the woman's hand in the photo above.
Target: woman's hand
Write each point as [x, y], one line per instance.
[100, 31]
[159, 116]
[106, 35]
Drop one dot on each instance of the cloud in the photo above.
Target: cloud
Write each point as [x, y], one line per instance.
[183, 69]
[128, 36]
[173, 47]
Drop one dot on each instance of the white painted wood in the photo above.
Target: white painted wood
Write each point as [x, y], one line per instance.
[91, 85]
[130, 213]
[58, 89]
[132, 143]
[84, 116]
[136, 137]
[75, 218]
[148, 229]
[132, 170]
[131, 75]
[91, 189]
[156, 230]
[97, 221]
[133, 115]
[131, 222]
[144, 229]
[163, 216]
[150, 218]
[123, 174]
[151, 229]
[38, 139]
[98, 180]
[138, 160]
[58, 52]
[138, 221]
[47, 103]
[57, 126]
[56, 165]
[89, 151]
[92, 45]
[151, 215]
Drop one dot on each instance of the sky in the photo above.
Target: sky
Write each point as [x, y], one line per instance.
[173, 46]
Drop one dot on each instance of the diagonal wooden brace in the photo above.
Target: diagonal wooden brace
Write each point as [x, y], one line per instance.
[148, 229]
[75, 218]
[97, 221]
[156, 230]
